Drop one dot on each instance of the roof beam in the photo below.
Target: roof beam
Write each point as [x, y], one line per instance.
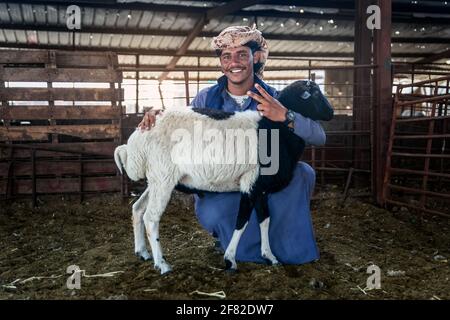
[192, 53]
[208, 34]
[441, 55]
[113, 5]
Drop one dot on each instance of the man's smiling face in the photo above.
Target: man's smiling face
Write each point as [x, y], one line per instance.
[237, 64]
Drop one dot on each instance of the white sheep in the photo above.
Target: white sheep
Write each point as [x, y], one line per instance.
[167, 156]
[150, 154]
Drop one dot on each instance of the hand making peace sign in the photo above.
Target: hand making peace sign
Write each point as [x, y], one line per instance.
[268, 106]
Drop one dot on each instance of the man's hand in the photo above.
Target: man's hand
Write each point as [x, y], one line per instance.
[149, 119]
[268, 106]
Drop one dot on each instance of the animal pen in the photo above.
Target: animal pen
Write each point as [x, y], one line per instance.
[54, 137]
[69, 97]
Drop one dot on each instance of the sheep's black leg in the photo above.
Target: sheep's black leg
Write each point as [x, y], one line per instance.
[245, 210]
[262, 212]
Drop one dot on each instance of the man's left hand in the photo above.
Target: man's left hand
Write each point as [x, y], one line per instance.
[268, 106]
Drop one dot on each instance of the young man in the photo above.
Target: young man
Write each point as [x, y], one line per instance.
[243, 53]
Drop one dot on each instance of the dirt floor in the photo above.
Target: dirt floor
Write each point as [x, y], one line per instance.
[38, 246]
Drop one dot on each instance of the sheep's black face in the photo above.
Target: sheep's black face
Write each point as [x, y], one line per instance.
[304, 97]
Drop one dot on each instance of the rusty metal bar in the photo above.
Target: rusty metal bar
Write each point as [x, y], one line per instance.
[186, 86]
[398, 203]
[38, 148]
[423, 82]
[436, 136]
[383, 95]
[33, 177]
[422, 119]
[10, 182]
[418, 172]
[347, 184]
[428, 150]
[341, 169]
[421, 155]
[323, 164]
[80, 188]
[420, 191]
[361, 76]
[349, 132]
[433, 99]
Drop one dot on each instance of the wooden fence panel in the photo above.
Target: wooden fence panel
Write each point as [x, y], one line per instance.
[67, 126]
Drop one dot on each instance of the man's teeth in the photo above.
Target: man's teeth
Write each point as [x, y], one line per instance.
[236, 70]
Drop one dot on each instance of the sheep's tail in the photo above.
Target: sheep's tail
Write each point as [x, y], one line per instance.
[120, 157]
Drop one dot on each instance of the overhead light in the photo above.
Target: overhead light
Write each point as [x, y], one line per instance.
[302, 11]
[397, 32]
[447, 62]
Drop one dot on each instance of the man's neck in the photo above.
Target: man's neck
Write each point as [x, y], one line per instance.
[240, 89]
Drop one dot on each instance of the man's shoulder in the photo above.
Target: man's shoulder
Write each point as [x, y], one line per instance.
[200, 99]
[204, 91]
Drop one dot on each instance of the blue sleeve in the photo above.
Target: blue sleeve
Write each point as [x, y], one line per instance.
[200, 99]
[309, 130]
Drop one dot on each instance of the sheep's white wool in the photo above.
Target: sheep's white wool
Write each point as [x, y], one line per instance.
[149, 153]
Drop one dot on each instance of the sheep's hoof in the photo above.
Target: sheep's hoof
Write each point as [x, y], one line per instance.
[271, 262]
[144, 256]
[164, 268]
[230, 267]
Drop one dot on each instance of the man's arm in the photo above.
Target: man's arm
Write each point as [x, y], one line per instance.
[309, 130]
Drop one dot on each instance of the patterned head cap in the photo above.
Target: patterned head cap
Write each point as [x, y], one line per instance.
[236, 36]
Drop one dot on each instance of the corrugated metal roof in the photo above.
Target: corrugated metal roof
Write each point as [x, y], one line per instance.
[115, 20]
